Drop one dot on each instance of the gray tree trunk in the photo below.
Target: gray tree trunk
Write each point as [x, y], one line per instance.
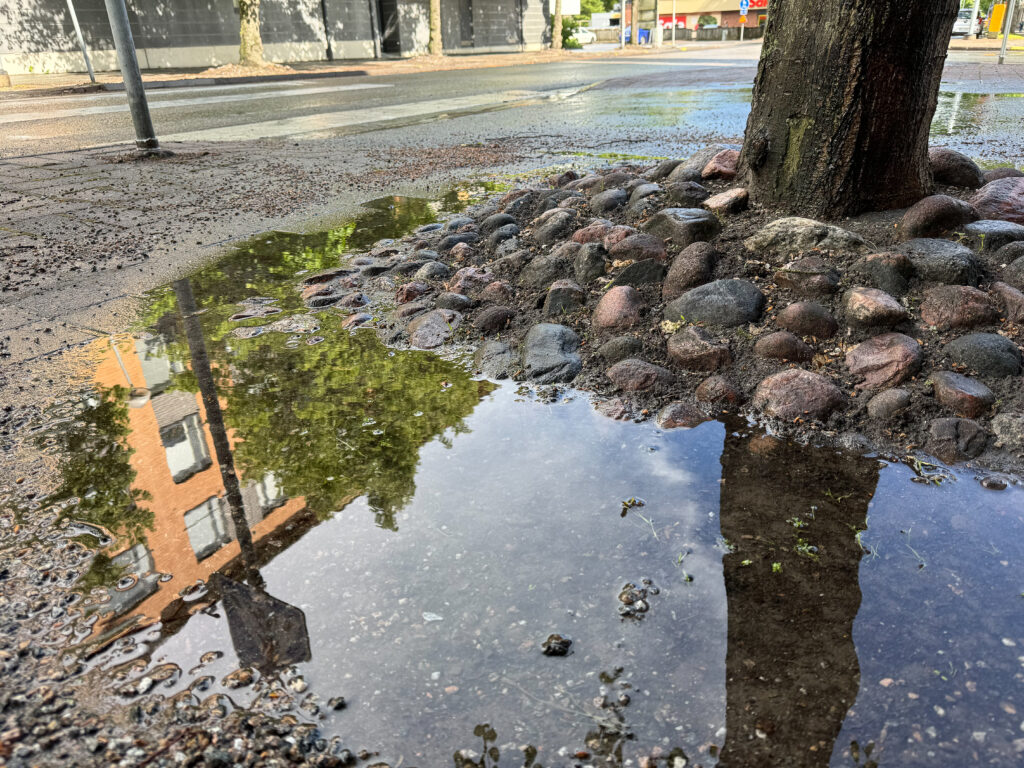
[842, 104]
[556, 26]
[436, 43]
[250, 48]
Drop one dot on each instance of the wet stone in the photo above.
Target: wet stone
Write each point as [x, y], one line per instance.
[434, 328]
[792, 236]
[641, 273]
[355, 320]
[590, 263]
[952, 440]
[687, 194]
[796, 393]
[989, 354]
[639, 246]
[455, 301]
[620, 348]
[1001, 199]
[725, 303]
[620, 307]
[608, 201]
[410, 292]
[493, 319]
[328, 275]
[549, 354]
[954, 168]
[722, 166]
[885, 361]
[412, 308]
[662, 169]
[873, 307]
[957, 306]
[694, 349]
[693, 266]
[680, 414]
[1010, 300]
[634, 375]
[890, 272]
[783, 345]
[965, 396]
[563, 296]
[942, 261]
[808, 318]
[718, 390]
[495, 359]
[936, 215]
[683, 226]
[809, 276]
[556, 645]
[730, 201]
[886, 405]
[989, 235]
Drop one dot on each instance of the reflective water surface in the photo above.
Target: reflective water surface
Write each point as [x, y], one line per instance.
[406, 536]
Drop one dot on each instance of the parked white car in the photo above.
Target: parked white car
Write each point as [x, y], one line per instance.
[962, 25]
[584, 36]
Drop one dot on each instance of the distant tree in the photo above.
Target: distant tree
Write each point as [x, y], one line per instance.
[556, 26]
[843, 102]
[706, 19]
[436, 46]
[250, 47]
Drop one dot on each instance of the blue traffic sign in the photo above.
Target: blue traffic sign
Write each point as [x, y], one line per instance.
[744, 6]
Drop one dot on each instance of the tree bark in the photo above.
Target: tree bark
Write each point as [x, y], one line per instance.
[436, 43]
[843, 101]
[250, 48]
[556, 26]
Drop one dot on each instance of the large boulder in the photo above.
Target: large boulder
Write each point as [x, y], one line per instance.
[958, 306]
[796, 393]
[987, 353]
[549, 354]
[942, 261]
[793, 235]
[683, 226]
[936, 215]
[951, 167]
[724, 302]
[1001, 199]
[884, 361]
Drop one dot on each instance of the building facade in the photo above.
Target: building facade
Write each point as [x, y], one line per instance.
[725, 12]
[38, 36]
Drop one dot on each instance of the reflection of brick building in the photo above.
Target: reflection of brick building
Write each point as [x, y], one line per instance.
[193, 535]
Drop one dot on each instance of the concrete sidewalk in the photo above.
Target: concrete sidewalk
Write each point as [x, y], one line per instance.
[230, 74]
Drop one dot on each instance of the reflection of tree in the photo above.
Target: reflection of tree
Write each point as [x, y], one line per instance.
[790, 515]
[95, 466]
[343, 417]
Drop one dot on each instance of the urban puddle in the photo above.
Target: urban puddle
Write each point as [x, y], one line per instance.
[410, 535]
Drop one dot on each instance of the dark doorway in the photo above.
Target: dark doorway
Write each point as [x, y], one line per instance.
[466, 23]
[387, 13]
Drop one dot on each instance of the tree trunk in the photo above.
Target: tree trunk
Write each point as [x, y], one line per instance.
[842, 104]
[436, 44]
[556, 26]
[250, 48]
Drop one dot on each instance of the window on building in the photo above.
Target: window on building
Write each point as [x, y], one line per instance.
[207, 528]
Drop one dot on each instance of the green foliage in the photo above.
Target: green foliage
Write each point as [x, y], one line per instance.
[569, 25]
[589, 7]
[95, 467]
[706, 19]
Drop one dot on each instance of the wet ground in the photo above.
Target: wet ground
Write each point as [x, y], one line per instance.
[407, 536]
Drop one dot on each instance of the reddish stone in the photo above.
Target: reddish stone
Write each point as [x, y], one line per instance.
[955, 439]
[461, 252]
[498, 292]
[355, 320]
[722, 166]
[966, 397]
[311, 291]
[616, 235]
[637, 247]
[885, 361]
[719, 391]
[493, 319]
[796, 393]
[1010, 299]
[592, 233]
[620, 307]
[783, 345]
[951, 167]
[634, 375]
[693, 266]
[730, 201]
[432, 329]
[957, 306]
[936, 215]
[694, 349]
[1001, 173]
[807, 318]
[410, 292]
[1001, 199]
[870, 306]
[469, 280]
[680, 414]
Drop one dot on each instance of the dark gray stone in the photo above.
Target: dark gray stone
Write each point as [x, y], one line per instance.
[687, 194]
[495, 360]
[723, 302]
[683, 226]
[608, 201]
[1014, 271]
[495, 221]
[452, 240]
[432, 329]
[620, 348]
[551, 226]
[644, 190]
[563, 296]
[549, 354]
[455, 301]
[640, 273]
[890, 272]
[885, 405]
[457, 223]
[501, 234]
[433, 270]
[543, 270]
[942, 261]
[590, 263]
[662, 169]
[954, 440]
[809, 276]
[987, 353]
[990, 235]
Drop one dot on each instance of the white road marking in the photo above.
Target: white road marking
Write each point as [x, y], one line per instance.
[21, 117]
[328, 121]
